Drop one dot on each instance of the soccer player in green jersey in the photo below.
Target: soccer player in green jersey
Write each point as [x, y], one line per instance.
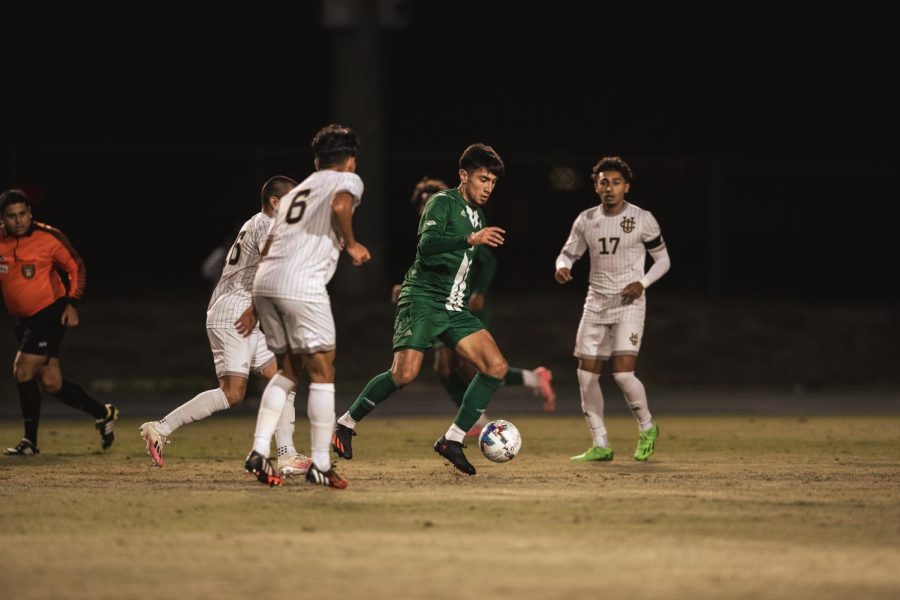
[431, 306]
[453, 372]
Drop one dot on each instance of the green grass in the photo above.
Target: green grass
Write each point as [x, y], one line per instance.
[772, 507]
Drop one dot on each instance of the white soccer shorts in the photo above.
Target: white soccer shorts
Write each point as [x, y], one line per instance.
[296, 326]
[602, 340]
[234, 354]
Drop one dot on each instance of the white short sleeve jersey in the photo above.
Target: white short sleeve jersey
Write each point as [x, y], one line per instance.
[233, 292]
[617, 246]
[304, 244]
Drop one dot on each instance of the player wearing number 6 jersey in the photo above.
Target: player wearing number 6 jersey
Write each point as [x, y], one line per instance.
[314, 222]
[618, 236]
[236, 356]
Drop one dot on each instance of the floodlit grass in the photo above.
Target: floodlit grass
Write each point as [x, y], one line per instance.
[775, 507]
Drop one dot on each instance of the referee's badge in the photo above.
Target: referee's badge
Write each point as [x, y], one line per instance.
[28, 271]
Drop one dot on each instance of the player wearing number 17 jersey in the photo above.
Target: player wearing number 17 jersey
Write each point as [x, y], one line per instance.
[618, 236]
[314, 222]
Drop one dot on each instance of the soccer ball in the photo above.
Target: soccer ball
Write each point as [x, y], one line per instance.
[500, 441]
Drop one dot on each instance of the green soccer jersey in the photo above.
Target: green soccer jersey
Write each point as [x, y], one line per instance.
[441, 272]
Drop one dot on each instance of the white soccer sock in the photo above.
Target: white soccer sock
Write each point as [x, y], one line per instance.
[270, 407]
[592, 406]
[284, 432]
[636, 397]
[529, 378]
[455, 434]
[347, 421]
[197, 408]
[320, 409]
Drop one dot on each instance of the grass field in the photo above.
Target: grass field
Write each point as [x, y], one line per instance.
[729, 507]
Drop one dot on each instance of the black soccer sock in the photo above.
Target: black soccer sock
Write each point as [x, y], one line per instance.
[514, 377]
[478, 396]
[30, 399]
[74, 395]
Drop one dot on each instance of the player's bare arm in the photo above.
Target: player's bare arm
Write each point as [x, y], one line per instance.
[563, 275]
[342, 209]
[489, 236]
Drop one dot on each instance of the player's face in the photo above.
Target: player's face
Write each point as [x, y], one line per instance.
[611, 187]
[476, 187]
[17, 218]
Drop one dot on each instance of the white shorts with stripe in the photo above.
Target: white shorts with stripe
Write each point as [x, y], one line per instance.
[296, 326]
[236, 355]
[597, 339]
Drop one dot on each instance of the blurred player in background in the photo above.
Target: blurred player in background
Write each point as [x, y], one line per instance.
[432, 306]
[618, 235]
[43, 307]
[236, 356]
[454, 373]
[314, 223]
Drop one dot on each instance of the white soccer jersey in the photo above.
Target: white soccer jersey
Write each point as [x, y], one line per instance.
[305, 246]
[618, 248]
[234, 291]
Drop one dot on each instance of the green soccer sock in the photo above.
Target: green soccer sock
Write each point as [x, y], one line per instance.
[514, 377]
[477, 397]
[456, 386]
[376, 391]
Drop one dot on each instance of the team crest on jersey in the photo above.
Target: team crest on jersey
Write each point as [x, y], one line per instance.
[429, 223]
[4, 268]
[2, 259]
[28, 271]
[627, 224]
[634, 339]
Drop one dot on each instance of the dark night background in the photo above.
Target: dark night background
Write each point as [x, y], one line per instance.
[764, 142]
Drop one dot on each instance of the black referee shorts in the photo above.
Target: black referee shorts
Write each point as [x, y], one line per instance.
[42, 332]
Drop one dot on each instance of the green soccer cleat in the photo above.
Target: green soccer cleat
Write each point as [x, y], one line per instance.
[595, 453]
[646, 443]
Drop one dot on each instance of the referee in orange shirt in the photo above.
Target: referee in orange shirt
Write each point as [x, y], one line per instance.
[42, 306]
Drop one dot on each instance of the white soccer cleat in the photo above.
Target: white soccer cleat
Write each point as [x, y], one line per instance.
[293, 465]
[155, 442]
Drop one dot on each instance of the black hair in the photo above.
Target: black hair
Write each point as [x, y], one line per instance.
[333, 144]
[278, 186]
[612, 163]
[425, 189]
[479, 156]
[13, 197]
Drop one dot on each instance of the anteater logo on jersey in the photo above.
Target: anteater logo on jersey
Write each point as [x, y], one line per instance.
[627, 224]
[28, 271]
[634, 339]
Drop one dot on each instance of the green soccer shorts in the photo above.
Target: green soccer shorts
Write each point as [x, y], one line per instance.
[418, 324]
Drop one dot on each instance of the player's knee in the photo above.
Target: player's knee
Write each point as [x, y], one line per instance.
[626, 379]
[51, 383]
[404, 375]
[497, 367]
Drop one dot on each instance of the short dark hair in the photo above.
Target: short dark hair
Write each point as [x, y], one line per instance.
[333, 144]
[425, 189]
[13, 196]
[278, 185]
[612, 163]
[479, 156]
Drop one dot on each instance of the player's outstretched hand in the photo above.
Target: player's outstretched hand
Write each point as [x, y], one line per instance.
[489, 236]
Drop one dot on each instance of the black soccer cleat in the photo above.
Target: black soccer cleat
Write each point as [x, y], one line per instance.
[328, 478]
[261, 467]
[340, 441]
[24, 448]
[107, 426]
[453, 451]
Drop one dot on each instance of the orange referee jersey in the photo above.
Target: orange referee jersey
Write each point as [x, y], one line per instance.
[28, 273]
